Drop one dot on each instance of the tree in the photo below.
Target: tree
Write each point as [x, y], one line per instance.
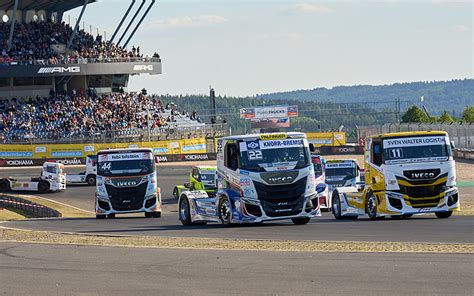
[468, 114]
[445, 117]
[415, 114]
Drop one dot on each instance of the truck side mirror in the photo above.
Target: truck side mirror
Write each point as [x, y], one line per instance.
[311, 147]
[452, 145]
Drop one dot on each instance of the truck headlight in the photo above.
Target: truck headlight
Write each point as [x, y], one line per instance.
[150, 196]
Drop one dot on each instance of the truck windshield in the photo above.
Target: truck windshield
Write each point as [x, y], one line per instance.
[256, 160]
[348, 173]
[125, 167]
[416, 149]
[208, 177]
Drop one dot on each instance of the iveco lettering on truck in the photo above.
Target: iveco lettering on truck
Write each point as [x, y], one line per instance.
[127, 183]
[405, 173]
[52, 179]
[261, 177]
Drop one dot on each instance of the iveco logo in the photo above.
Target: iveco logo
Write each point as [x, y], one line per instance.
[127, 184]
[280, 180]
[126, 201]
[143, 68]
[50, 70]
[422, 175]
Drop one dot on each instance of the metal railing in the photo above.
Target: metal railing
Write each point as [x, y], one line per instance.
[462, 134]
[130, 135]
[79, 61]
[34, 209]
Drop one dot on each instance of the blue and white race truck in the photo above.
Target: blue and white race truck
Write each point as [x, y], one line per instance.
[261, 177]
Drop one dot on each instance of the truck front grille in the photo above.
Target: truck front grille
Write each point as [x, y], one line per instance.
[281, 200]
[423, 196]
[127, 198]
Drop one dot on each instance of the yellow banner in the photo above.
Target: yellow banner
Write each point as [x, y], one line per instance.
[31, 151]
[327, 139]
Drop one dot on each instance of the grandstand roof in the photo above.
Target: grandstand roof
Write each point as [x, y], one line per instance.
[52, 5]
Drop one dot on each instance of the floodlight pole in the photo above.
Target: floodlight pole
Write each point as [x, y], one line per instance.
[139, 23]
[69, 43]
[12, 26]
[121, 22]
[130, 23]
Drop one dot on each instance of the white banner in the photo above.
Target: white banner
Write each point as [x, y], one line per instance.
[415, 141]
[272, 144]
[125, 156]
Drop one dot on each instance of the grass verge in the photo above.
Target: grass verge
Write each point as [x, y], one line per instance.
[28, 236]
[13, 214]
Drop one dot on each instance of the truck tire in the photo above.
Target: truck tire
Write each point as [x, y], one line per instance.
[444, 215]
[90, 180]
[175, 192]
[184, 211]
[43, 186]
[225, 211]
[300, 221]
[100, 216]
[371, 206]
[4, 185]
[336, 206]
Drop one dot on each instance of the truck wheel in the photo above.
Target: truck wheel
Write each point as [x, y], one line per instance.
[300, 221]
[371, 206]
[90, 180]
[336, 206]
[100, 216]
[4, 185]
[175, 192]
[43, 186]
[444, 215]
[184, 211]
[225, 211]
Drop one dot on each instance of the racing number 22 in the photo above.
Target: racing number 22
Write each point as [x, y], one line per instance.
[255, 154]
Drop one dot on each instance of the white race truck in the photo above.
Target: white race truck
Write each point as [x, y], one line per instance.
[52, 179]
[88, 176]
[261, 177]
[127, 183]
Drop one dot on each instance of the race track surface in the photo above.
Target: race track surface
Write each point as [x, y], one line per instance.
[38, 269]
[457, 229]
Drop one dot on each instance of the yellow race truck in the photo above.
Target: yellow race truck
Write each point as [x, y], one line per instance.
[405, 174]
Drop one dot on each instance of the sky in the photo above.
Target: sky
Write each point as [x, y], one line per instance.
[247, 47]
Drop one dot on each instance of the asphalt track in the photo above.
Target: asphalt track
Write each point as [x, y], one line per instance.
[457, 229]
[39, 269]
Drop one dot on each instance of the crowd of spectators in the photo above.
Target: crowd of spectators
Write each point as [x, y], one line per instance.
[32, 44]
[79, 115]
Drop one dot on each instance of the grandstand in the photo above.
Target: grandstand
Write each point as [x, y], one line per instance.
[60, 84]
[41, 54]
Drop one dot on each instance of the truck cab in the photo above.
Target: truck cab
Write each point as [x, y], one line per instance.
[405, 174]
[86, 177]
[342, 173]
[261, 177]
[320, 177]
[127, 183]
[51, 179]
[200, 178]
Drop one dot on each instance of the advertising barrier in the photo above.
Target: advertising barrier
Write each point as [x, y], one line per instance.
[327, 139]
[18, 152]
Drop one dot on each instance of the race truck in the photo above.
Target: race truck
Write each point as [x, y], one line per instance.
[200, 178]
[320, 175]
[261, 177]
[52, 179]
[88, 176]
[405, 174]
[127, 183]
[342, 173]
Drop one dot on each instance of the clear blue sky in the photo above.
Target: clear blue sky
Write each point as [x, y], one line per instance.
[250, 47]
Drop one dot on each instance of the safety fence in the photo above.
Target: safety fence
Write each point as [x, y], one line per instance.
[33, 209]
[462, 134]
[171, 132]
